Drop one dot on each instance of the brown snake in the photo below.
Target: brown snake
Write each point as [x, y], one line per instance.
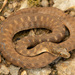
[47, 17]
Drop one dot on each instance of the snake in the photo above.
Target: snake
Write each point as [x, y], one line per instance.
[48, 47]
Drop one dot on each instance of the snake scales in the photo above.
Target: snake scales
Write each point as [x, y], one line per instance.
[47, 17]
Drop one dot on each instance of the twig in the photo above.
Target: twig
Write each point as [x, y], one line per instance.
[5, 2]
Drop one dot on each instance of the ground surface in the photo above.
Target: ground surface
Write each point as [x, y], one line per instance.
[64, 66]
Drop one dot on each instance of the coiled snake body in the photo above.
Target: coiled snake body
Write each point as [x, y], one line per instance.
[49, 18]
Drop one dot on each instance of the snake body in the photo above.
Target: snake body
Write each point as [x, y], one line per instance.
[49, 18]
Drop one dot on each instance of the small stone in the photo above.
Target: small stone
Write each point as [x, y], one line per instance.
[14, 70]
[24, 4]
[6, 14]
[72, 13]
[64, 4]
[44, 3]
[24, 73]
[39, 71]
[4, 69]
[10, 6]
[31, 33]
[2, 18]
[15, 4]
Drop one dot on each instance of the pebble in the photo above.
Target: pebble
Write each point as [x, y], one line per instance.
[24, 4]
[24, 73]
[2, 18]
[72, 13]
[10, 6]
[14, 70]
[64, 4]
[4, 69]
[44, 3]
[39, 71]
[15, 4]
[6, 14]
[31, 33]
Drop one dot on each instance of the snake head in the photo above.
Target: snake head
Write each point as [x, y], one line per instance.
[61, 52]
